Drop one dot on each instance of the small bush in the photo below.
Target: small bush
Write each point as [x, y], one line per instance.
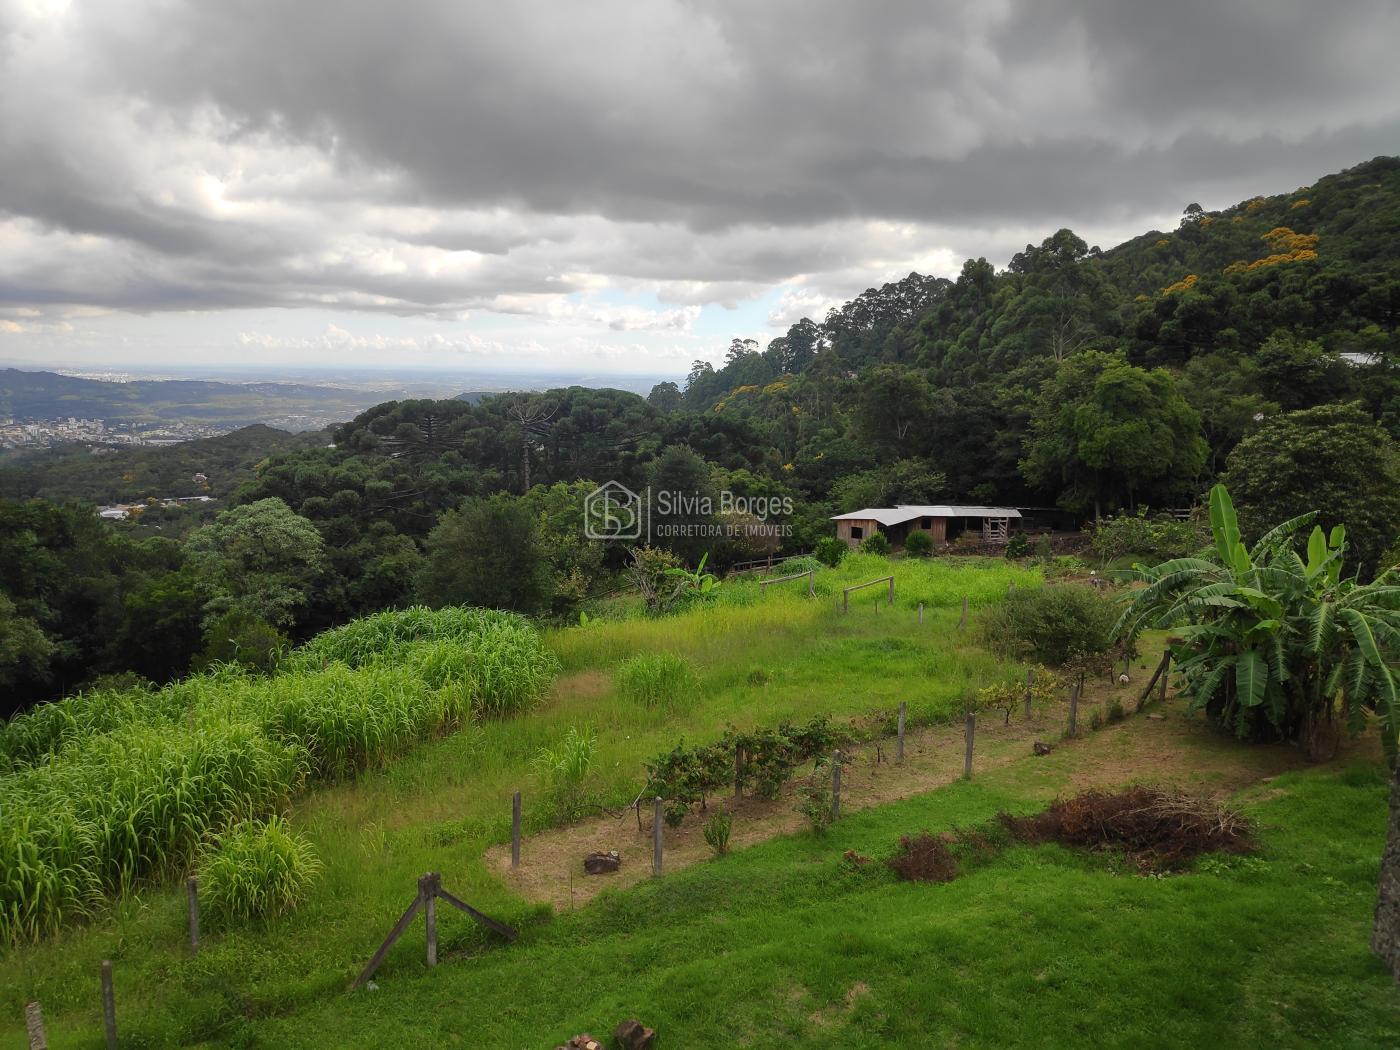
[1116, 712]
[830, 550]
[255, 870]
[876, 543]
[1018, 546]
[918, 545]
[657, 680]
[565, 768]
[814, 800]
[924, 858]
[1095, 722]
[716, 832]
[1155, 539]
[1044, 551]
[1051, 625]
[758, 676]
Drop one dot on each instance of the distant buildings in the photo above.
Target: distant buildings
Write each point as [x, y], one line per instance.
[123, 511]
[72, 431]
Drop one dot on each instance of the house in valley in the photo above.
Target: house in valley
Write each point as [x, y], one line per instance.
[944, 524]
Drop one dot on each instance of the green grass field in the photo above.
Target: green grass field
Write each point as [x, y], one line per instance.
[776, 944]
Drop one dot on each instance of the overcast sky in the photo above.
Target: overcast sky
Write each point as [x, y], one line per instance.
[613, 186]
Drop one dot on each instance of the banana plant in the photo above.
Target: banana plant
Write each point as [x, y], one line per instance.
[699, 582]
[1273, 643]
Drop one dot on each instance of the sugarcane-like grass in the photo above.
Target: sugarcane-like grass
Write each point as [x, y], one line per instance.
[107, 790]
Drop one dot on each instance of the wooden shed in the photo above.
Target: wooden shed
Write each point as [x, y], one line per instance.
[944, 523]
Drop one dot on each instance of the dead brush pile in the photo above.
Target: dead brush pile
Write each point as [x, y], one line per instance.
[924, 858]
[1157, 829]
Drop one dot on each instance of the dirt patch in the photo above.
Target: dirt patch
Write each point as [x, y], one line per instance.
[1172, 750]
[1156, 828]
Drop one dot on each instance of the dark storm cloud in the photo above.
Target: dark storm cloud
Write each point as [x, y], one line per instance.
[356, 143]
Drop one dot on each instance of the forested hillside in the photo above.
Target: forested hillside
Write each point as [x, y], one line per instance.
[1256, 344]
[125, 475]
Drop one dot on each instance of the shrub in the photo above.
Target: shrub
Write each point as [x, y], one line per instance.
[1156, 539]
[924, 858]
[830, 550]
[656, 680]
[918, 545]
[238, 637]
[716, 832]
[1044, 551]
[814, 799]
[1007, 696]
[255, 870]
[1018, 546]
[1115, 711]
[1051, 625]
[564, 769]
[876, 543]
[686, 776]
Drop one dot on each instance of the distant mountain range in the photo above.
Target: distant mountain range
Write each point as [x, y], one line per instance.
[36, 396]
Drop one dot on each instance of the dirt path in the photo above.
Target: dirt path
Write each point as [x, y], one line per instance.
[1161, 745]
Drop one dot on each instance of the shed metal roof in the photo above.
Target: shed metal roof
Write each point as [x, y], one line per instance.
[902, 513]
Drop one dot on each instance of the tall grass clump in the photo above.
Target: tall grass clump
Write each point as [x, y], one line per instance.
[108, 812]
[564, 768]
[662, 680]
[370, 638]
[349, 720]
[45, 729]
[494, 662]
[255, 870]
[111, 787]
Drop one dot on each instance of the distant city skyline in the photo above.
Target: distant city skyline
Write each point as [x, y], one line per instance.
[612, 188]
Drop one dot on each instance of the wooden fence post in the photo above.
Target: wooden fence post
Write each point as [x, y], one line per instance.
[192, 889]
[515, 832]
[1030, 678]
[1073, 709]
[427, 892]
[811, 583]
[969, 731]
[835, 785]
[963, 621]
[899, 735]
[109, 1005]
[891, 590]
[845, 601]
[1010, 589]
[656, 837]
[921, 612]
[738, 770]
[1166, 673]
[34, 1025]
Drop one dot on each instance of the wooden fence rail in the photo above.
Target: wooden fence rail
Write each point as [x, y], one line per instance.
[846, 592]
[811, 582]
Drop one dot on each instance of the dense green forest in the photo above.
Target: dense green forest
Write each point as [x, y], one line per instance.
[1257, 344]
